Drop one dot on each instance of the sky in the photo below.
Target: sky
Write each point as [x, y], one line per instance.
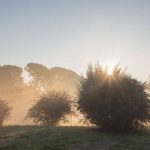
[74, 33]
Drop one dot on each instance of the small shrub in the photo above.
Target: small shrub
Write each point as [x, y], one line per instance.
[4, 111]
[50, 109]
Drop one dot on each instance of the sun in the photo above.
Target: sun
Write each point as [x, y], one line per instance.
[110, 71]
[110, 67]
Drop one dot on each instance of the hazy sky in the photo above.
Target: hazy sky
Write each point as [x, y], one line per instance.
[73, 33]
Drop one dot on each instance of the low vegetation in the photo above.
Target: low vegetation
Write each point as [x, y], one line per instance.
[69, 138]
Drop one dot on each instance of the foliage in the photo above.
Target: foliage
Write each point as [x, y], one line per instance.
[10, 80]
[114, 102]
[4, 111]
[55, 78]
[50, 109]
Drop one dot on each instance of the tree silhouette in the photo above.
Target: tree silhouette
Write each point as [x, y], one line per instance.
[11, 81]
[114, 102]
[56, 78]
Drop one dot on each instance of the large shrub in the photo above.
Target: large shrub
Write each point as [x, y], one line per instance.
[4, 111]
[114, 102]
[50, 109]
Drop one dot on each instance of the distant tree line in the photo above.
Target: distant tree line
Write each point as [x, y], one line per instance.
[116, 102]
[22, 86]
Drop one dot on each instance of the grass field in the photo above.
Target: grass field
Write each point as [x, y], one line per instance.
[69, 138]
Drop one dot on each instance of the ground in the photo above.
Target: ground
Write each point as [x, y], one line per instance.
[69, 138]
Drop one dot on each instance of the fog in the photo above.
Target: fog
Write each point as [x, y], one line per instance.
[22, 87]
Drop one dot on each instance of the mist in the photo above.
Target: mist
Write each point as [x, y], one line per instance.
[22, 87]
